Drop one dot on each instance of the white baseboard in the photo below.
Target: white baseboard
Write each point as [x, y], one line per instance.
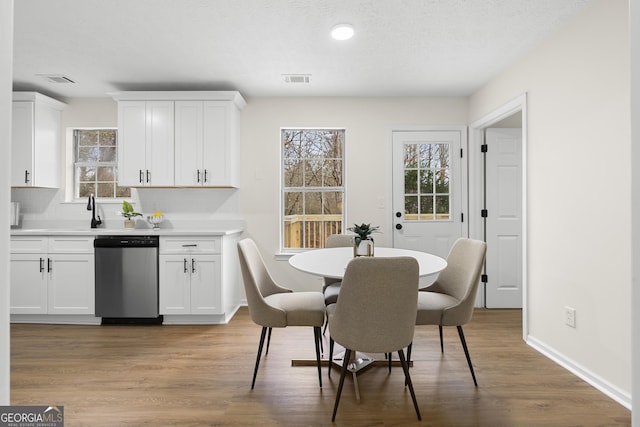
[596, 381]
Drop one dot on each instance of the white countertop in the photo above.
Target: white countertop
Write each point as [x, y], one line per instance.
[124, 231]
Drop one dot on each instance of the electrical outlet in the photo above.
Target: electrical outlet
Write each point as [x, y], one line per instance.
[570, 316]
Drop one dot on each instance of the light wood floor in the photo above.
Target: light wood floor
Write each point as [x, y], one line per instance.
[201, 375]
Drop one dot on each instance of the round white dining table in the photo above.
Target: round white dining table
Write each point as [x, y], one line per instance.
[332, 262]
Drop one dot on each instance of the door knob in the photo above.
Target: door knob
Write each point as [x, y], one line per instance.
[398, 226]
[398, 214]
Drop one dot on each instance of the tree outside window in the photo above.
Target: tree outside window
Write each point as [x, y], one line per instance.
[426, 182]
[95, 164]
[313, 189]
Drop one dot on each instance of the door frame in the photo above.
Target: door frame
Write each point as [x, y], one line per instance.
[476, 185]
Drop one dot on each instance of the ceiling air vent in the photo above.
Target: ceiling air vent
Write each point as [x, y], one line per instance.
[296, 78]
[56, 78]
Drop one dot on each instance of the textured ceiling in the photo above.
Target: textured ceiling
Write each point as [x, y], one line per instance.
[401, 47]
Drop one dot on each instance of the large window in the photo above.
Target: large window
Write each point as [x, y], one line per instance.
[312, 186]
[95, 164]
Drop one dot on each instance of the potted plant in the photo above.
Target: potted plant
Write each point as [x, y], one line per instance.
[362, 241]
[129, 213]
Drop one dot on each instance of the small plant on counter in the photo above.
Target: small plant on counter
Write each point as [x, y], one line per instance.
[128, 211]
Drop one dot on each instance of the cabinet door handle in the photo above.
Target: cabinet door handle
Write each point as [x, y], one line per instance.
[41, 265]
[147, 176]
[205, 175]
[49, 265]
[141, 177]
[185, 267]
[193, 265]
[26, 176]
[198, 178]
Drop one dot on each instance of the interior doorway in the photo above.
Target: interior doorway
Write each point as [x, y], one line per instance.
[477, 201]
[502, 213]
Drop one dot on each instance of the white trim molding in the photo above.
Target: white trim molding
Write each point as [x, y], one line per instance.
[583, 373]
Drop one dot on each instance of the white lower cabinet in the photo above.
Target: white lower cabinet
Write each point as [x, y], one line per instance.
[28, 284]
[190, 284]
[199, 279]
[52, 275]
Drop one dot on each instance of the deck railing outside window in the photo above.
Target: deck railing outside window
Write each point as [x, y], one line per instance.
[307, 231]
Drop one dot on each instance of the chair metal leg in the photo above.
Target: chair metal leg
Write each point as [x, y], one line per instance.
[441, 341]
[317, 335]
[347, 356]
[466, 353]
[331, 343]
[326, 323]
[407, 377]
[409, 348]
[268, 342]
[389, 360]
[255, 371]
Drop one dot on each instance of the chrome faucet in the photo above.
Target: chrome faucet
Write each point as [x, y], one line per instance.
[92, 207]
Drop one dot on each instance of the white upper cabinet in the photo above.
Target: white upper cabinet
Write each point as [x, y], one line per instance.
[35, 150]
[206, 143]
[146, 143]
[189, 141]
[204, 129]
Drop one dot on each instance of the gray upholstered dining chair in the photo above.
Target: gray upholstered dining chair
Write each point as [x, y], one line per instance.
[376, 312]
[450, 299]
[331, 286]
[272, 306]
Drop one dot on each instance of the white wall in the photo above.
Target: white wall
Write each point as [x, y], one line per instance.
[635, 188]
[579, 191]
[6, 72]
[368, 122]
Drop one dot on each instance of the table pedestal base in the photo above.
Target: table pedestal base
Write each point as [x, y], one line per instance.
[359, 362]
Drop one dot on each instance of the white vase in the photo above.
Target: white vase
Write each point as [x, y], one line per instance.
[365, 248]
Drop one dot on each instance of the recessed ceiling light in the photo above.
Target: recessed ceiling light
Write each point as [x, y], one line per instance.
[342, 32]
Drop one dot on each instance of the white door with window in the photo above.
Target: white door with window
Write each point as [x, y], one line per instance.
[503, 222]
[429, 189]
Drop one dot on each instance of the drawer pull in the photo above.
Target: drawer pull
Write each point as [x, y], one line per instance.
[194, 245]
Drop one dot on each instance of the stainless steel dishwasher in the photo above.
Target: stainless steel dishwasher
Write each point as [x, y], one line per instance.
[126, 279]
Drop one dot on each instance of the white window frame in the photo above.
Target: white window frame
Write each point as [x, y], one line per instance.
[283, 189]
[71, 188]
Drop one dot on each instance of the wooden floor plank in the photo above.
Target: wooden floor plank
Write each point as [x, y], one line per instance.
[201, 375]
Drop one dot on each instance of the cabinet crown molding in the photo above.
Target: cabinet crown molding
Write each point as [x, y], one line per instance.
[230, 95]
[40, 98]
